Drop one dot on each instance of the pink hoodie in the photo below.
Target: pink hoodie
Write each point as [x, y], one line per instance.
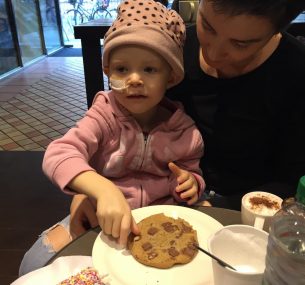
[109, 141]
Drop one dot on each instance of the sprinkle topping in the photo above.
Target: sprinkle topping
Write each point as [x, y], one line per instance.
[88, 276]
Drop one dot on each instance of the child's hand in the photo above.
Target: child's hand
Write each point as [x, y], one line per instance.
[112, 209]
[114, 215]
[188, 186]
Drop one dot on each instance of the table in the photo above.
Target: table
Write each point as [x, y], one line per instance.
[90, 34]
[29, 203]
[83, 245]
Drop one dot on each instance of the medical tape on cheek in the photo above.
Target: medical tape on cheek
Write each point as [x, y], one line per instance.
[118, 85]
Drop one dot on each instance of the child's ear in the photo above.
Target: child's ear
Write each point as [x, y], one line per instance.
[171, 80]
[106, 71]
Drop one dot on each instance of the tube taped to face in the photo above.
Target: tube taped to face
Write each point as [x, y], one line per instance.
[118, 85]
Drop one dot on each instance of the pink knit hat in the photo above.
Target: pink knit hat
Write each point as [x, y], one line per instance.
[149, 24]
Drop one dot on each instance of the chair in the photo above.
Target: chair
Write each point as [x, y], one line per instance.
[187, 9]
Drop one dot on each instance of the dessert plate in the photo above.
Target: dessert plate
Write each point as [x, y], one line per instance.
[122, 269]
[57, 271]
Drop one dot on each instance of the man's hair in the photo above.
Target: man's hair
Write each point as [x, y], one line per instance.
[279, 12]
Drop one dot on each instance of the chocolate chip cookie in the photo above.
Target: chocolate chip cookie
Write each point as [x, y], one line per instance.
[163, 242]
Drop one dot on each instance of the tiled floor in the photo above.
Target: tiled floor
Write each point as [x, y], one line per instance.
[41, 102]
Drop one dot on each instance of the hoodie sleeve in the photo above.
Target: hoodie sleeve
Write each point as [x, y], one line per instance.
[67, 157]
[190, 162]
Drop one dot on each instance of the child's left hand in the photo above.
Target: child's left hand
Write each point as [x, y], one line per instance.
[188, 186]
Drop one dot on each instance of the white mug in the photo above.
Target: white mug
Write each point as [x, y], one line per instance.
[188, 11]
[258, 207]
[243, 247]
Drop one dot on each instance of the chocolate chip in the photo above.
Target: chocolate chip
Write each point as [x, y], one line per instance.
[152, 231]
[152, 255]
[172, 251]
[188, 251]
[169, 227]
[146, 246]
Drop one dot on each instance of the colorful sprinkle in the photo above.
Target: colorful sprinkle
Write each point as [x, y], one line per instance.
[88, 276]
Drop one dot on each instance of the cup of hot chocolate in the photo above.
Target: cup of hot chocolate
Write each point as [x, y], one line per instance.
[257, 209]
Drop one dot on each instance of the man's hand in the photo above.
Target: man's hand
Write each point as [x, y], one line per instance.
[82, 215]
[187, 184]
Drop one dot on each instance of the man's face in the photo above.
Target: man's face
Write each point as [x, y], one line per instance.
[230, 41]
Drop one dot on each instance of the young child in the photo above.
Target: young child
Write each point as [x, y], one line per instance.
[134, 147]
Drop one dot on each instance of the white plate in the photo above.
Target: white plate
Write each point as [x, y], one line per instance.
[59, 270]
[123, 269]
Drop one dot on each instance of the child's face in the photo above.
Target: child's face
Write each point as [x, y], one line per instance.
[145, 73]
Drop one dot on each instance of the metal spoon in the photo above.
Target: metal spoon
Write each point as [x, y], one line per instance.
[221, 262]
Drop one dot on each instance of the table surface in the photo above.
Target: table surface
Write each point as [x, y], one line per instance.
[83, 245]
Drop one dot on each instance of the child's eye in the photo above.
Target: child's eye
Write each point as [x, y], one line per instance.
[121, 69]
[150, 69]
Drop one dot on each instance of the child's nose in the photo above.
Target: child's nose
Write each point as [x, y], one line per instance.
[135, 80]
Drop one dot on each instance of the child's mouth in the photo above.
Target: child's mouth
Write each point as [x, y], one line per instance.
[136, 96]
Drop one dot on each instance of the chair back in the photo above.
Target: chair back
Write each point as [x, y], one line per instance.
[187, 9]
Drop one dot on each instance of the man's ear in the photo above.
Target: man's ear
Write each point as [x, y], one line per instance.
[171, 80]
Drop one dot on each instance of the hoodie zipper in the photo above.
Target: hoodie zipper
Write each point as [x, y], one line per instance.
[145, 137]
[141, 200]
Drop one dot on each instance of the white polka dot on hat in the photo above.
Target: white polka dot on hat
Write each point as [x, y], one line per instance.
[150, 24]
